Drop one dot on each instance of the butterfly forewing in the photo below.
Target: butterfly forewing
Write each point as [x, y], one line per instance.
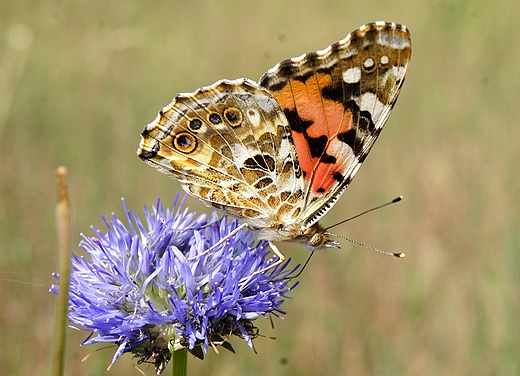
[337, 101]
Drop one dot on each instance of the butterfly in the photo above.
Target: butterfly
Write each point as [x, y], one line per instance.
[279, 153]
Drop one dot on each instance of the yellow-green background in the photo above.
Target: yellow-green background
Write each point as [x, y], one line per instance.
[79, 80]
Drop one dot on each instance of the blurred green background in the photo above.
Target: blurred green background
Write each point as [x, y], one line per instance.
[79, 80]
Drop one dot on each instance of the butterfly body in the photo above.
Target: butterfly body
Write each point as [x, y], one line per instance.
[279, 153]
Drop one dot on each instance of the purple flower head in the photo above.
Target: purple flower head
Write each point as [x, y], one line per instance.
[154, 288]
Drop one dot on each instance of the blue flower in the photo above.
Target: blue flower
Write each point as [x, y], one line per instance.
[154, 288]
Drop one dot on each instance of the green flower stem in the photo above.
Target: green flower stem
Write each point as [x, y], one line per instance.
[63, 220]
[180, 363]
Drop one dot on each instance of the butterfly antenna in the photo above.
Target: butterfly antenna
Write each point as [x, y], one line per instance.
[398, 255]
[397, 199]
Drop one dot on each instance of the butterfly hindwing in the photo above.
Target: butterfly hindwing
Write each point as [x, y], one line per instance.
[230, 145]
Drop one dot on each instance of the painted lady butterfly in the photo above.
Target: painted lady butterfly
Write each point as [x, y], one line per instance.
[279, 154]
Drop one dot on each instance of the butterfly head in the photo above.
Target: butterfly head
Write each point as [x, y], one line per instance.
[316, 237]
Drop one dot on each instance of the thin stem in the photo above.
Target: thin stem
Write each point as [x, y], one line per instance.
[180, 363]
[63, 224]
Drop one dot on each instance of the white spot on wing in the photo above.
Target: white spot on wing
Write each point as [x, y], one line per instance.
[370, 103]
[299, 59]
[368, 63]
[325, 51]
[382, 39]
[399, 72]
[267, 103]
[384, 59]
[346, 41]
[341, 151]
[352, 75]
[239, 152]
[254, 117]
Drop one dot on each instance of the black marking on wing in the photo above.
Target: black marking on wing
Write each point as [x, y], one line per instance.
[261, 162]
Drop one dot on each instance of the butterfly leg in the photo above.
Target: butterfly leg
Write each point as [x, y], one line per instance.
[221, 241]
[274, 249]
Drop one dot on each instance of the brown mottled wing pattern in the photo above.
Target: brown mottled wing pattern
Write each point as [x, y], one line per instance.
[337, 101]
[229, 145]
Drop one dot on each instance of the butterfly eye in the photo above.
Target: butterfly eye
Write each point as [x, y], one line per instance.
[233, 116]
[185, 142]
[215, 118]
[317, 240]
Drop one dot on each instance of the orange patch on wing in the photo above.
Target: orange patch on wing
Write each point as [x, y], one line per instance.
[328, 119]
[307, 163]
[323, 179]
[324, 173]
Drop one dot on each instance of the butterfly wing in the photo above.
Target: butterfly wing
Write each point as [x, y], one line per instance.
[229, 145]
[337, 101]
